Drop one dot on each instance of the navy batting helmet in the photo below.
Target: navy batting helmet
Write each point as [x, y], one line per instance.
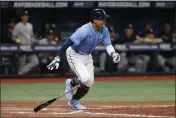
[99, 14]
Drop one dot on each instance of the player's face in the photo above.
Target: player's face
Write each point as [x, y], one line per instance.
[129, 31]
[147, 27]
[100, 23]
[47, 26]
[25, 18]
[167, 27]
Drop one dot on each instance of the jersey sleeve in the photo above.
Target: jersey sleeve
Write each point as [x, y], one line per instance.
[15, 31]
[67, 43]
[106, 37]
[78, 35]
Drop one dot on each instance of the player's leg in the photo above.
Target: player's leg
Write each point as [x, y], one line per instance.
[103, 58]
[83, 78]
[83, 90]
[146, 60]
[137, 62]
[171, 63]
[161, 61]
[90, 68]
[32, 62]
[22, 62]
[76, 62]
[84, 85]
[123, 61]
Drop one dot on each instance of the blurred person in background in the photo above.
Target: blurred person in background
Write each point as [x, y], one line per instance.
[49, 26]
[9, 57]
[174, 36]
[45, 30]
[23, 35]
[45, 58]
[151, 38]
[167, 60]
[166, 34]
[8, 35]
[138, 60]
[103, 56]
[147, 28]
[57, 36]
[113, 35]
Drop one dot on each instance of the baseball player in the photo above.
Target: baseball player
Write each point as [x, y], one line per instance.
[23, 35]
[78, 52]
[46, 57]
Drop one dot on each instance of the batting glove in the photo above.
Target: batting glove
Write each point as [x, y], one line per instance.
[54, 63]
[115, 57]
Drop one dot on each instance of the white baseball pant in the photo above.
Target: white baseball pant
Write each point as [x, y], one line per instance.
[82, 66]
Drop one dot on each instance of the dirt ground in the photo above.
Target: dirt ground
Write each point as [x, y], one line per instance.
[95, 109]
[19, 109]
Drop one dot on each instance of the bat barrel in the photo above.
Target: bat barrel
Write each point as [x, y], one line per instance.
[44, 105]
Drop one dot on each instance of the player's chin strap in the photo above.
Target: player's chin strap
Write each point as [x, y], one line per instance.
[81, 91]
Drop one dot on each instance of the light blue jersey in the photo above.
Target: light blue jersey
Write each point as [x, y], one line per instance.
[86, 38]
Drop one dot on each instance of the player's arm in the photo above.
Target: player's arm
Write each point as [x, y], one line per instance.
[138, 39]
[68, 43]
[34, 40]
[109, 48]
[156, 40]
[56, 61]
[16, 39]
[76, 38]
[15, 34]
[111, 51]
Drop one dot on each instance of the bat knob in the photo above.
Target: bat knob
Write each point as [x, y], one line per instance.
[35, 110]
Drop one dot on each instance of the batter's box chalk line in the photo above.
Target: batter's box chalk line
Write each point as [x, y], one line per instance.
[133, 106]
[125, 106]
[55, 113]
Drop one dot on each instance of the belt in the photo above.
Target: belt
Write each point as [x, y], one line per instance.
[74, 49]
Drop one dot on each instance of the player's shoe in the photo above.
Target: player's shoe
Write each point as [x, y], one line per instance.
[76, 104]
[68, 88]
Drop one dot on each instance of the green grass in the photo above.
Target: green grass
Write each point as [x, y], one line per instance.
[138, 91]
